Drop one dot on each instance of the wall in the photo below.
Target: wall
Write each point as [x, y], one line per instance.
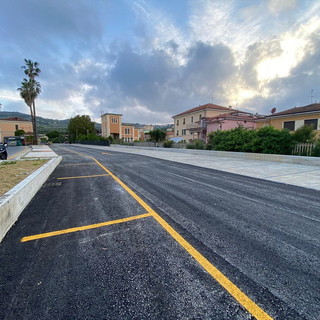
[278, 122]
[8, 127]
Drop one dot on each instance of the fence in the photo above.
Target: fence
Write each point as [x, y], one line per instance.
[303, 149]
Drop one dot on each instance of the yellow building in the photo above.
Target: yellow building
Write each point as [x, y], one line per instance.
[10, 125]
[111, 125]
[188, 124]
[293, 119]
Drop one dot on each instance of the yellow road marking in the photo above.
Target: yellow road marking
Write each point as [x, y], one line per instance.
[96, 175]
[229, 286]
[91, 226]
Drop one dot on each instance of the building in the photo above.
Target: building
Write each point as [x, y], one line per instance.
[8, 127]
[229, 121]
[190, 125]
[294, 118]
[111, 125]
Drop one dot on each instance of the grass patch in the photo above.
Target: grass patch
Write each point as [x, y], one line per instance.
[13, 172]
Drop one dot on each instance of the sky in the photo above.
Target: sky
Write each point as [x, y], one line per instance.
[151, 59]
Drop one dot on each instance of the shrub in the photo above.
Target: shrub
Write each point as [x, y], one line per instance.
[263, 140]
[168, 144]
[304, 134]
[316, 150]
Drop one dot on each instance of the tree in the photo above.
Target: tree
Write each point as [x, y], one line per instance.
[53, 134]
[157, 135]
[80, 125]
[29, 91]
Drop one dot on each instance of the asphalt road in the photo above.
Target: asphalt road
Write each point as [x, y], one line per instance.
[263, 236]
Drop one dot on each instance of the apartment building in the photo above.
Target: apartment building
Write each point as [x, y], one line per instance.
[129, 132]
[190, 125]
[8, 127]
[294, 118]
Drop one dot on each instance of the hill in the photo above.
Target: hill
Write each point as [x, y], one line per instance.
[44, 124]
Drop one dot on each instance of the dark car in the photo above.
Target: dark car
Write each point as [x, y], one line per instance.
[3, 151]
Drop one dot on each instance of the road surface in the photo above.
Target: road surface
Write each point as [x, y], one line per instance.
[142, 238]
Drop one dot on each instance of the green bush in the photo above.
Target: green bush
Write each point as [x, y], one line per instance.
[304, 134]
[196, 144]
[263, 140]
[316, 150]
[168, 144]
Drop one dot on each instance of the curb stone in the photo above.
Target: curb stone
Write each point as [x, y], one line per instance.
[15, 200]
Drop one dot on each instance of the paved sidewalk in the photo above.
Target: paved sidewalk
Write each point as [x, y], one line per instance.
[40, 152]
[288, 173]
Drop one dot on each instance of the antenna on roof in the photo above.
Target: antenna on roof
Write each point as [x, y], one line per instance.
[273, 110]
[311, 96]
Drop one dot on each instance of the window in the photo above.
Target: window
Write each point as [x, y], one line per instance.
[177, 132]
[312, 122]
[289, 125]
[184, 120]
[114, 120]
[126, 131]
[200, 116]
[17, 127]
[177, 122]
[184, 132]
[192, 119]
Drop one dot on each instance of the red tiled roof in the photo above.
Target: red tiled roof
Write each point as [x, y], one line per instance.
[15, 119]
[308, 108]
[238, 115]
[203, 107]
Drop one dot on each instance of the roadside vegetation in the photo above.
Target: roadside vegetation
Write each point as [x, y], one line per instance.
[264, 140]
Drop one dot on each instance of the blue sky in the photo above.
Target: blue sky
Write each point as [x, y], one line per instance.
[150, 59]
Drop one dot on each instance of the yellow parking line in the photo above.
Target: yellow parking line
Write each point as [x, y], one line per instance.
[96, 175]
[229, 286]
[91, 226]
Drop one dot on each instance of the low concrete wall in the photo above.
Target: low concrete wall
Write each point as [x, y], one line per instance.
[308, 161]
[14, 201]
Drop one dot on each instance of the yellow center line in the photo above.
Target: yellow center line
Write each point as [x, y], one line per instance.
[228, 285]
[96, 175]
[91, 226]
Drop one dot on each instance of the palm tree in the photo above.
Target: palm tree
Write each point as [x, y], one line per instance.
[32, 70]
[29, 91]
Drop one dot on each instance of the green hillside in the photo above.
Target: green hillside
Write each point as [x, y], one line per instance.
[44, 124]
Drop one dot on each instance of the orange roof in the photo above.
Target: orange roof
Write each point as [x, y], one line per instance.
[204, 107]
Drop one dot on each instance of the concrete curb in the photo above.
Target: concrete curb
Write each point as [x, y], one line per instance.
[308, 161]
[14, 201]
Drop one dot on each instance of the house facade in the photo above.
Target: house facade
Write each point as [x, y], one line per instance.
[111, 125]
[8, 127]
[190, 125]
[229, 121]
[294, 118]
